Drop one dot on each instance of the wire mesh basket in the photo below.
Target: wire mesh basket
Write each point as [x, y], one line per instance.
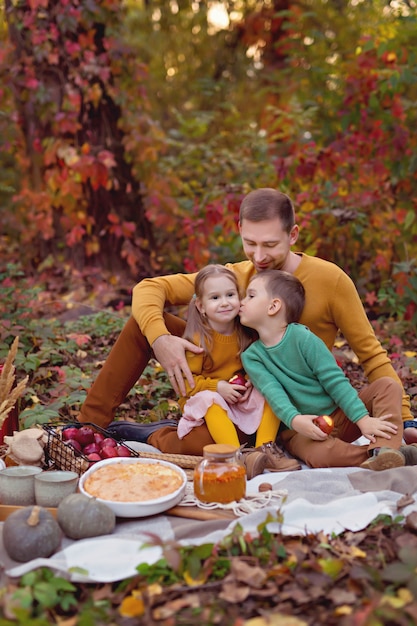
[62, 455]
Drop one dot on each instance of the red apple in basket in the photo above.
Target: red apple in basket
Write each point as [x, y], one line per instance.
[123, 451]
[70, 433]
[75, 444]
[108, 452]
[85, 435]
[325, 423]
[108, 441]
[238, 379]
[93, 457]
[91, 448]
[98, 438]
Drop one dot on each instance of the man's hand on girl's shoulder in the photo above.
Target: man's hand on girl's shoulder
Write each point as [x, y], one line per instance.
[169, 351]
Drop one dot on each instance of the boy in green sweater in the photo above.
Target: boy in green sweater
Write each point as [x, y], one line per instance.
[299, 377]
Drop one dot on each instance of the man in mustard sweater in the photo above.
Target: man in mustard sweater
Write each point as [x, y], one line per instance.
[268, 231]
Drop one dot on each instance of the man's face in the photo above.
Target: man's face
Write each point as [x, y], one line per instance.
[266, 243]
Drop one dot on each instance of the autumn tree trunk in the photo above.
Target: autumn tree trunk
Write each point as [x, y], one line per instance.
[81, 194]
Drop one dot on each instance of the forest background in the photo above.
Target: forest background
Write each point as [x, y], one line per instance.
[130, 131]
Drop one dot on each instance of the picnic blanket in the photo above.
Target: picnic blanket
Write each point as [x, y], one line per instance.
[310, 501]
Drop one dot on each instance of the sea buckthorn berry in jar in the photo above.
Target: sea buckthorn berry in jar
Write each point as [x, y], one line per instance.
[221, 475]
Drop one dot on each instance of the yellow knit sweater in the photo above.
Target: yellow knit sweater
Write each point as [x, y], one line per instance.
[224, 362]
[332, 305]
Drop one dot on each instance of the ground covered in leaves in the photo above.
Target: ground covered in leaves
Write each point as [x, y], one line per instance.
[368, 578]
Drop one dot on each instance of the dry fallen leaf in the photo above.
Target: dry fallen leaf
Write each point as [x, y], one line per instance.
[275, 619]
[190, 600]
[405, 501]
[253, 576]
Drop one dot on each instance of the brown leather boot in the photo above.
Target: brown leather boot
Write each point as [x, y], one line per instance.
[273, 458]
[278, 461]
[255, 463]
[385, 458]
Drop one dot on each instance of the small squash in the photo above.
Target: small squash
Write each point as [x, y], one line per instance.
[81, 516]
[30, 533]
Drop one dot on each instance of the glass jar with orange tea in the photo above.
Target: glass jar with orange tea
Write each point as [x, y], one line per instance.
[221, 475]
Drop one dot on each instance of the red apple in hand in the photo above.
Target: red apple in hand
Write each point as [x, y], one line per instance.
[325, 423]
[238, 379]
[410, 434]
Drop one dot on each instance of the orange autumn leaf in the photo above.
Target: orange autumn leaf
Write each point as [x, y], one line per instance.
[132, 606]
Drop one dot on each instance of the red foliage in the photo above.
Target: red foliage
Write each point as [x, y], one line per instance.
[355, 183]
[74, 86]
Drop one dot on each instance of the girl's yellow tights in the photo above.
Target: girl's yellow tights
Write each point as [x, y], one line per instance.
[223, 430]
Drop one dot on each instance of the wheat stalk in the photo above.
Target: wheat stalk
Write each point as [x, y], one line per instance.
[9, 393]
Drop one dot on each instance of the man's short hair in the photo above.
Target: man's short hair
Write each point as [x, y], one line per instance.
[265, 204]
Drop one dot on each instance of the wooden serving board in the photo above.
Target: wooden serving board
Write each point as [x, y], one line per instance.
[189, 512]
[6, 509]
[193, 512]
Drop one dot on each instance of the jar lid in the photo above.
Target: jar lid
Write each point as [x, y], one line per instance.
[220, 449]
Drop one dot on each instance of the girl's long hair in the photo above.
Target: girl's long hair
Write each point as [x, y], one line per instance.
[197, 329]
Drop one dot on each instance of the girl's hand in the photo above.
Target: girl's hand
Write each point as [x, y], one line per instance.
[304, 425]
[230, 393]
[373, 427]
[245, 395]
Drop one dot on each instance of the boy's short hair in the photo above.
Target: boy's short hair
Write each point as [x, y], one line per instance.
[286, 287]
[266, 204]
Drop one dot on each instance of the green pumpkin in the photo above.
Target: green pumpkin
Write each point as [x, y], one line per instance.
[30, 533]
[81, 516]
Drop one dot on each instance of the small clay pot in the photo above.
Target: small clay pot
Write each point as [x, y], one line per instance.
[17, 484]
[53, 486]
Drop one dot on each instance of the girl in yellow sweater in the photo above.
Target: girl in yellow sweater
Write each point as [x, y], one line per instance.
[226, 407]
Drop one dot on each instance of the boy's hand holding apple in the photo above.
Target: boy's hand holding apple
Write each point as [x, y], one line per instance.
[325, 423]
[307, 425]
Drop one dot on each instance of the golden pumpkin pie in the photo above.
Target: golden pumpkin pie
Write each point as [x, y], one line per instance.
[133, 482]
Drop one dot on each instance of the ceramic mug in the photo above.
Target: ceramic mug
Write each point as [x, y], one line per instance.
[53, 486]
[17, 485]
